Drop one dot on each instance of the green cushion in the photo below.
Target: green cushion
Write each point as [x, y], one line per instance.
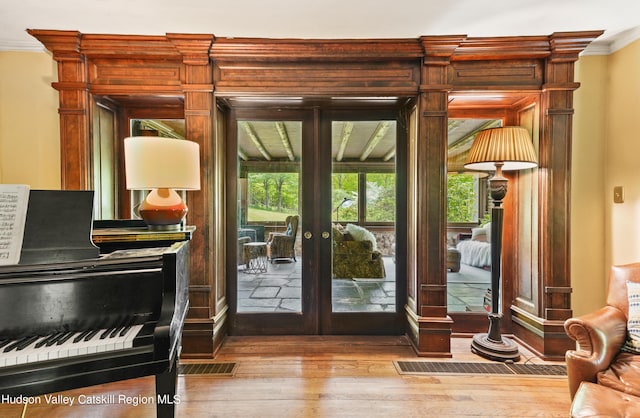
[338, 236]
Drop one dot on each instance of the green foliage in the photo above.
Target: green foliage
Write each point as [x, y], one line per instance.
[275, 192]
[381, 197]
[344, 185]
[462, 201]
[273, 195]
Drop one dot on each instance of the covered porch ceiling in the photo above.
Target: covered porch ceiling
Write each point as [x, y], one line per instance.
[352, 141]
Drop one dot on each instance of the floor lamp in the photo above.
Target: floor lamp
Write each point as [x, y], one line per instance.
[499, 149]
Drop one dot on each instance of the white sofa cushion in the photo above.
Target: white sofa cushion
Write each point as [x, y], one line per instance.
[361, 234]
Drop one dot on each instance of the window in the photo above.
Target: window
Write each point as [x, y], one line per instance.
[466, 190]
[345, 197]
[376, 191]
[381, 197]
[463, 198]
[271, 196]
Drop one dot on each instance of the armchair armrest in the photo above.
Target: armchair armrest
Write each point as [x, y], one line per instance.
[599, 335]
[273, 235]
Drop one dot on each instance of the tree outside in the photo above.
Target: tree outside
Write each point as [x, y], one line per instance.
[273, 196]
[462, 198]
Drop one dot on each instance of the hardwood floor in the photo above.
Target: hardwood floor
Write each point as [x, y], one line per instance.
[326, 376]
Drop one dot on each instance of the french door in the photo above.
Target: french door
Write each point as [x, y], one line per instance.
[313, 214]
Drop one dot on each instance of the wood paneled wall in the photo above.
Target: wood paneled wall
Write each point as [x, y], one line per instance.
[195, 69]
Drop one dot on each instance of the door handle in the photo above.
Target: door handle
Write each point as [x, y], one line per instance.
[308, 235]
[325, 235]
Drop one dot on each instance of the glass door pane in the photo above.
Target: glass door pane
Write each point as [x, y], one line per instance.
[468, 246]
[363, 200]
[269, 276]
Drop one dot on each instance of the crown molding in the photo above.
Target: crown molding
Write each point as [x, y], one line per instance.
[616, 43]
[13, 45]
[625, 38]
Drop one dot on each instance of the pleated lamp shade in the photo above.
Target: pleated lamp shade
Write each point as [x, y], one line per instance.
[455, 164]
[510, 145]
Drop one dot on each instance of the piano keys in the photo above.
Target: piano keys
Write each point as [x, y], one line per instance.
[74, 324]
[58, 345]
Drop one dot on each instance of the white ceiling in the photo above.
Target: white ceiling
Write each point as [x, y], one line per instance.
[322, 18]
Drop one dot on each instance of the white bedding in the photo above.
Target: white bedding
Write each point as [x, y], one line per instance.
[475, 253]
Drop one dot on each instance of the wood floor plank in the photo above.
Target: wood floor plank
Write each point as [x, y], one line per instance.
[327, 377]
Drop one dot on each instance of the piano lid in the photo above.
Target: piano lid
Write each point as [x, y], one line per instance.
[58, 227]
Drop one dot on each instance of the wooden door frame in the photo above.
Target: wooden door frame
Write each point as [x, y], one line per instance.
[266, 323]
[194, 66]
[468, 323]
[316, 293]
[364, 323]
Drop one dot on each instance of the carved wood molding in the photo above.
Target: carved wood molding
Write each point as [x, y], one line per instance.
[128, 47]
[513, 74]
[61, 43]
[193, 48]
[427, 68]
[438, 50]
[566, 46]
[316, 79]
[258, 49]
[555, 157]
[502, 48]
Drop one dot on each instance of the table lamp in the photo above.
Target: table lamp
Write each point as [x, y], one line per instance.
[508, 148]
[162, 165]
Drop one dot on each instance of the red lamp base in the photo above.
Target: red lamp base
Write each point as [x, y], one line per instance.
[163, 209]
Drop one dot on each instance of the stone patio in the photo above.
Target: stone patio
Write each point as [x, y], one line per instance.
[280, 287]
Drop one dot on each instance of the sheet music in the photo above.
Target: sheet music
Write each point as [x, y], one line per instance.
[13, 214]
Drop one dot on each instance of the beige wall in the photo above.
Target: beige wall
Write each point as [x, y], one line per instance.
[622, 156]
[29, 123]
[605, 152]
[587, 186]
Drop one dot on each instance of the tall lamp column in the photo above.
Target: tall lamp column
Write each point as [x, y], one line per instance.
[508, 148]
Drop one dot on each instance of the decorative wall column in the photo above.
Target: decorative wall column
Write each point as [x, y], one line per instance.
[206, 286]
[545, 333]
[429, 324]
[73, 94]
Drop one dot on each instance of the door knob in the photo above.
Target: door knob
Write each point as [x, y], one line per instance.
[325, 235]
[308, 235]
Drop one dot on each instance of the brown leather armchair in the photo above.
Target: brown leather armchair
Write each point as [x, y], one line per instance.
[600, 336]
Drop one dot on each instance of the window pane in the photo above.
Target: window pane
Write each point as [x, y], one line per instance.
[345, 197]
[363, 192]
[272, 196]
[462, 198]
[381, 197]
[269, 272]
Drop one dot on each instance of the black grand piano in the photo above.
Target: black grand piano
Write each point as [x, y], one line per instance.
[69, 324]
